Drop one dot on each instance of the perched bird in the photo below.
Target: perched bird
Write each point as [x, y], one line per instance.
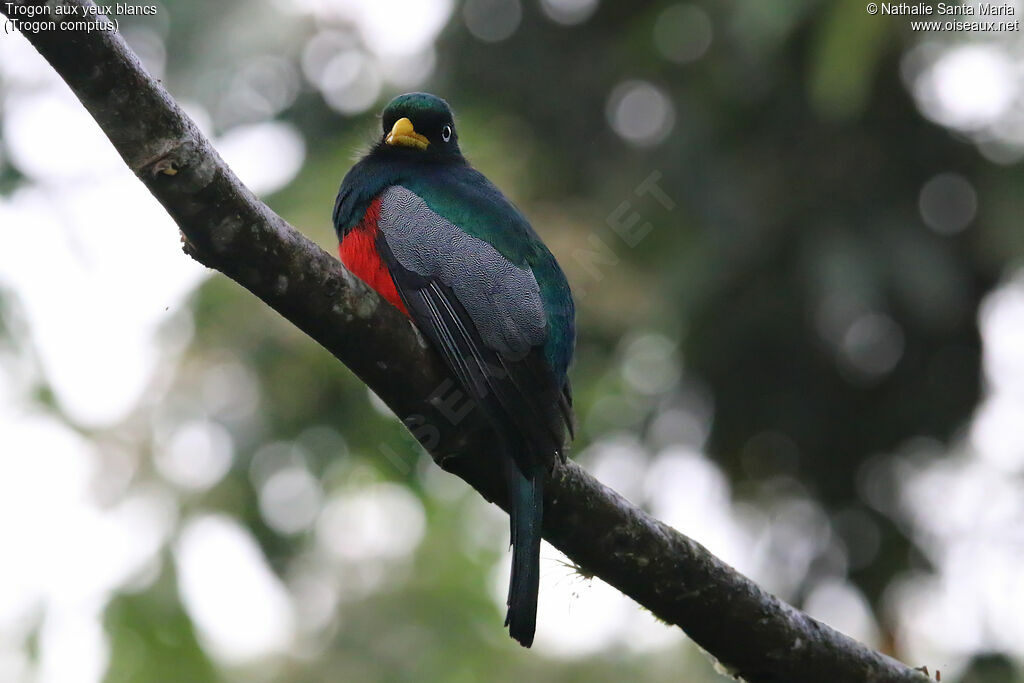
[434, 237]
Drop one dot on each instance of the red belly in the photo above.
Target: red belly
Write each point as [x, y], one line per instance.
[358, 251]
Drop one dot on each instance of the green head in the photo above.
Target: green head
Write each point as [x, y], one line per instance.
[419, 123]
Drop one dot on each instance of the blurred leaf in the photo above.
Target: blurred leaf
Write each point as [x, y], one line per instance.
[152, 639]
[847, 48]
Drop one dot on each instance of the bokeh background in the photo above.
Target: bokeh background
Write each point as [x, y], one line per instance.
[807, 353]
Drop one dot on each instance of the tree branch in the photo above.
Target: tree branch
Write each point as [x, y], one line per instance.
[752, 633]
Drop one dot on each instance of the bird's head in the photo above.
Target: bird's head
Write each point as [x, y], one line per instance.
[419, 125]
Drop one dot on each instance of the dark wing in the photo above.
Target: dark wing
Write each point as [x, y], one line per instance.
[483, 314]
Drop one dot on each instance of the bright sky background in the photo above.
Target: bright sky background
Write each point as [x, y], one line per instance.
[96, 342]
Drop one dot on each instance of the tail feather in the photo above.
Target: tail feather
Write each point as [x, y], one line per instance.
[526, 513]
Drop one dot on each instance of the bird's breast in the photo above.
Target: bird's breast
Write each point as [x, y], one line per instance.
[358, 251]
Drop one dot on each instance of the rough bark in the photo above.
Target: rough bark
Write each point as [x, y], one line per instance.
[751, 633]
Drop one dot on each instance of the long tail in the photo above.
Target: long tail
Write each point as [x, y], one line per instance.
[526, 495]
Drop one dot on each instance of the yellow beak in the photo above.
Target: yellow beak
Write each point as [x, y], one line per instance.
[403, 134]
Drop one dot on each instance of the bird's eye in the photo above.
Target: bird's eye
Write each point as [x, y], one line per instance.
[446, 133]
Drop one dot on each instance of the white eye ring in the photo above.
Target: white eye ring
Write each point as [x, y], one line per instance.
[446, 133]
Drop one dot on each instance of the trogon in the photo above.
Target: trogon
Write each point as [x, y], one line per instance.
[440, 242]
